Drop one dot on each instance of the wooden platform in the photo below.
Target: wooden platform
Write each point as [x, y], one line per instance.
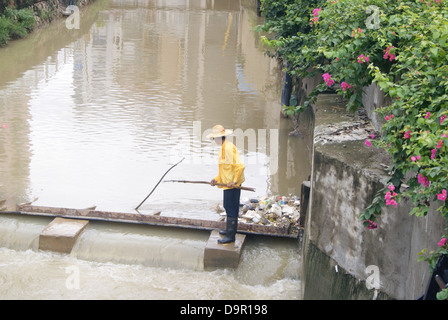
[150, 219]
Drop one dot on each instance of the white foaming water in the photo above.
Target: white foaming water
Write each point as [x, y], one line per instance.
[116, 261]
[147, 246]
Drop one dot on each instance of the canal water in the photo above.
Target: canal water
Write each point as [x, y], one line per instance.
[95, 116]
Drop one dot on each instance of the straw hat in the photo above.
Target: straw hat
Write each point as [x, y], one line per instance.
[219, 131]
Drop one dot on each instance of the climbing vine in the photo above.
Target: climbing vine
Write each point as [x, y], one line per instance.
[401, 46]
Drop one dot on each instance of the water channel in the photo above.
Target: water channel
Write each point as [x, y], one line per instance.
[95, 116]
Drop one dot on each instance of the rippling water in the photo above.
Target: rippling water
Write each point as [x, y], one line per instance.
[31, 275]
[98, 118]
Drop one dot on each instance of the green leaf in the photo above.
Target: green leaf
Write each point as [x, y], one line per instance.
[442, 295]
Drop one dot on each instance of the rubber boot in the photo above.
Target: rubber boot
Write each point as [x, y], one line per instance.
[232, 224]
[223, 232]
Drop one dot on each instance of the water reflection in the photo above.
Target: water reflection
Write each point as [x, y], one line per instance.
[97, 117]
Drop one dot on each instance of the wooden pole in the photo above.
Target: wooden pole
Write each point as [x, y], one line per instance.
[207, 182]
[158, 183]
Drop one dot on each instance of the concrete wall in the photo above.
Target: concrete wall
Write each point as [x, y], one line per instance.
[345, 177]
[372, 99]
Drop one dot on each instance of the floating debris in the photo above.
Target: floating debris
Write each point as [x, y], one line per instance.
[278, 211]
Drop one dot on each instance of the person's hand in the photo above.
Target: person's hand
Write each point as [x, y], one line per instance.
[231, 185]
[213, 182]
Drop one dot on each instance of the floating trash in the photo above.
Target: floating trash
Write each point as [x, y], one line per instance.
[278, 211]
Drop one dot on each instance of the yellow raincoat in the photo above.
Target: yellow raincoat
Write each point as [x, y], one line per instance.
[231, 168]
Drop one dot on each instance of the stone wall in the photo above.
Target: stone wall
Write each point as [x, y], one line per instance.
[372, 99]
[345, 178]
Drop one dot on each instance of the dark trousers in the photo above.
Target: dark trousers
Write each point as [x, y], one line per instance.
[232, 202]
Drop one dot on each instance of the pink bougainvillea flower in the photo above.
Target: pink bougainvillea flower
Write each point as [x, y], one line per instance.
[439, 144]
[442, 242]
[389, 196]
[387, 118]
[442, 118]
[391, 202]
[345, 86]
[433, 153]
[372, 225]
[423, 180]
[327, 79]
[316, 11]
[368, 143]
[362, 58]
[315, 15]
[413, 158]
[355, 32]
[388, 55]
[407, 134]
[442, 196]
[428, 114]
[372, 136]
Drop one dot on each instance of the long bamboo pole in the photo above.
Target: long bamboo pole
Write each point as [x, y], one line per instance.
[208, 182]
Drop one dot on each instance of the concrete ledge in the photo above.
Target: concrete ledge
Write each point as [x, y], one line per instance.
[223, 256]
[61, 234]
[346, 176]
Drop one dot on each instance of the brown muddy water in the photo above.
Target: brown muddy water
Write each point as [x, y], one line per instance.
[94, 117]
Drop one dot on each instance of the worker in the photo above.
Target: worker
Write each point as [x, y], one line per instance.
[231, 175]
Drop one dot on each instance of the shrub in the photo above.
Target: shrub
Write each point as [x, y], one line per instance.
[4, 30]
[15, 24]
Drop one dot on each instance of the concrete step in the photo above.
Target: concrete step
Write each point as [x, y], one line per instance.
[223, 255]
[61, 234]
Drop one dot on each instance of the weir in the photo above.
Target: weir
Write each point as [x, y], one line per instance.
[106, 242]
[133, 261]
[151, 219]
[62, 233]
